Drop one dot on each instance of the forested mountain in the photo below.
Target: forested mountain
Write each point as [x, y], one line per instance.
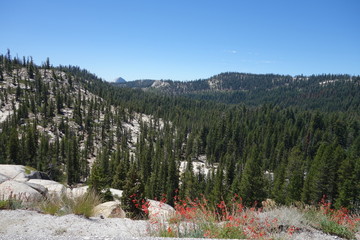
[77, 128]
[327, 92]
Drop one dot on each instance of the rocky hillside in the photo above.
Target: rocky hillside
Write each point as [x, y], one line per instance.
[52, 118]
[63, 120]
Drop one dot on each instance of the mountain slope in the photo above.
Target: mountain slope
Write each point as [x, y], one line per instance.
[61, 124]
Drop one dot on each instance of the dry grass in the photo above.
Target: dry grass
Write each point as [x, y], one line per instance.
[62, 205]
[14, 201]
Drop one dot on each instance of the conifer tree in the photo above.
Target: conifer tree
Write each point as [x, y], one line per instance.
[1, 73]
[133, 199]
[347, 184]
[251, 187]
[31, 69]
[278, 191]
[120, 176]
[42, 155]
[121, 169]
[349, 179]
[295, 176]
[217, 193]
[13, 147]
[98, 178]
[320, 179]
[72, 163]
[187, 188]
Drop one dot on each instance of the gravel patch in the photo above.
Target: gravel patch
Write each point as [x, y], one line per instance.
[22, 224]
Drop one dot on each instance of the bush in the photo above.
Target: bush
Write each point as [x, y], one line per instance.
[4, 204]
[197, 219]
[234, 221]
[338, 222]
[331, 227]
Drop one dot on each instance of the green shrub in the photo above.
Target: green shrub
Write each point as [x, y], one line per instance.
[225, 231]
[4, 204]
[331, 227]
[167, 232]
[29, 169]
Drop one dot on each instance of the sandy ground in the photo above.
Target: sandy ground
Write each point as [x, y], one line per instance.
[22, 224]
[30, 225]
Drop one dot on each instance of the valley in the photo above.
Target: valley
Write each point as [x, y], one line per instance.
[289, 139]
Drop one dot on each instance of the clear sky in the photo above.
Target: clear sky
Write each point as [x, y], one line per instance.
[186, 39]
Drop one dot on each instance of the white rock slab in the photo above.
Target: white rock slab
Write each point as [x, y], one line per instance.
[13, 171]
[52, 186]
[3, 178]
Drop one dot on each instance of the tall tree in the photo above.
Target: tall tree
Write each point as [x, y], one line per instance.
[251, 187]
[295, 176]
[13, 147]
[133, 196]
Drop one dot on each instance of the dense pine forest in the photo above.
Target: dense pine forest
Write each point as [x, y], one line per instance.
[291, 139]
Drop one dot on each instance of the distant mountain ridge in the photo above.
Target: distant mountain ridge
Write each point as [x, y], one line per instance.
[326, 91]
[234, 81]
[120, 80]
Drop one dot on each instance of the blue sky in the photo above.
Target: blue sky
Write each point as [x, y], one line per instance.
[187, 39]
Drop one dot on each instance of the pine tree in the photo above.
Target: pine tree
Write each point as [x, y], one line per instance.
[320, 180]
[31, 145]
[295, 176]
[133, 199]
[1, 73]
[77, 110]
[42, 155]
[98, 178]
[172, 183]
[188, 181]
[278, 191]
[121, 171]
[47, 63]
[13, 147]
[251, 187]
[72, 163]
[59, 102]
[349, 179]
[217, 193]
[31, 69]
[347, 184]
